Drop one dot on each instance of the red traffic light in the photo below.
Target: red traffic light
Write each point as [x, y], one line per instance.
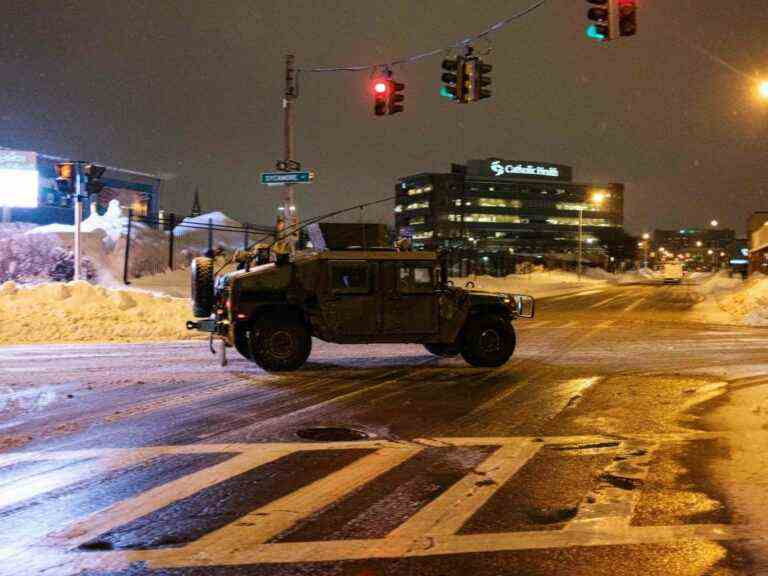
[380, 87]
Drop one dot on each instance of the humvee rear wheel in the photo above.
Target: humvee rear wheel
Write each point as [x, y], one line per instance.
[443, 350]
[281, 345]
[488, 342]
[202, 287]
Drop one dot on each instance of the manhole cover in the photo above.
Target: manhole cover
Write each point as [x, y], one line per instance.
[329, 434]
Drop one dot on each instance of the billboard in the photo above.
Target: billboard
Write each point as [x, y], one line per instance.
[19, 180]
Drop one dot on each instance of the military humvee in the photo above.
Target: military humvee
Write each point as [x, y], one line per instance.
[270, 312]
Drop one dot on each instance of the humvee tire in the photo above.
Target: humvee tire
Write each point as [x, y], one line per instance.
[281, 345]
[442, 350]
[242, 342]
[202, 287]
[488, 341]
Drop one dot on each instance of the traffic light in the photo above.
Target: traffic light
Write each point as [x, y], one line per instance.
[600, 15]
[481, 79]
[380, 96]
[65, 178]
[395, 98]
[454, 79]
[627, 17]
[93, 174]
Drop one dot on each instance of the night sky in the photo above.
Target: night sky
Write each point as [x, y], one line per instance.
[193, 89]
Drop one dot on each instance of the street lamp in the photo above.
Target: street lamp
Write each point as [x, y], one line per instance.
[714, 223]
[644, 246]
[597, 199]
[762, 89]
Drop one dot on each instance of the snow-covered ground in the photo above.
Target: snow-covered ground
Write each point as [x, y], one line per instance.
[544, 283]
[82, 312]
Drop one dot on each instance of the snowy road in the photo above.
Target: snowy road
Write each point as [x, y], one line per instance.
[612, 443]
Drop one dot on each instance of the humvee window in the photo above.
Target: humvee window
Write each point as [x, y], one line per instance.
[415, 279]
[350, 278]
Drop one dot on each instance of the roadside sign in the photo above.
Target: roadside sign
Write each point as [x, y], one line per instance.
[283, 178]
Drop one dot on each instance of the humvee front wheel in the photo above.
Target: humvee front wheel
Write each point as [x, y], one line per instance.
[443, 350]
[488, 342]
[280, 345]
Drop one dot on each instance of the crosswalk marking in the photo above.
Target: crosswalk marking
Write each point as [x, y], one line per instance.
[259, 526]
[452, 509]
[159, 497]
[604, 517]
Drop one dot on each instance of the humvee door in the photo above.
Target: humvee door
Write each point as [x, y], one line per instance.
[409, 299]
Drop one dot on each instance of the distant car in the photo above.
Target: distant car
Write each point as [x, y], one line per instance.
[673, 273]
[270, 313]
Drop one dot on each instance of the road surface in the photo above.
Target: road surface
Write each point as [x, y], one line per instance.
[621, 439]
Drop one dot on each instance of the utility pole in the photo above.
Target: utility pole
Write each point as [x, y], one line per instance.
[290, 214]
[79, 177]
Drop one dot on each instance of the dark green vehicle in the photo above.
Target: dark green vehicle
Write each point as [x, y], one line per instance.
[271, 312]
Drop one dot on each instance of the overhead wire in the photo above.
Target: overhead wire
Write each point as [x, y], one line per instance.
[416, 57]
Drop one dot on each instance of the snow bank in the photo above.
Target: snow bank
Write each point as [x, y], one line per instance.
[112, 223]
[731, 300]
[217, 218]
[539, 284]
[82, 312]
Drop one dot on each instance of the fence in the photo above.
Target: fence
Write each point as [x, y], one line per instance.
[155, 245]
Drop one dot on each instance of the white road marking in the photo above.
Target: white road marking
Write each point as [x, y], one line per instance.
[603, 520]
[448, 513]
[608, 301]
[575, 295]
[634, 304]
[260, 525]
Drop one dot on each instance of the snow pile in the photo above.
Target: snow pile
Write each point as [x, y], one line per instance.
[539, 283]
[192, 234]
[748, 302]
[215, 218]
[82, 312]
[718, 283]
[112, 223]
[639, 275]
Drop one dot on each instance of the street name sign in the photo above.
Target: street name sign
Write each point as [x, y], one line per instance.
[283, 178]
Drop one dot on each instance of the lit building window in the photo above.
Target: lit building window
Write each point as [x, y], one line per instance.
[416, 191]
[499, 203]
[398, 208]
[494, 218]
[415, 221]
[417, 205]
[575, 222]
[423, 235]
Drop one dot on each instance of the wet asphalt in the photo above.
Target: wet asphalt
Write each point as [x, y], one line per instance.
[612, 443]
